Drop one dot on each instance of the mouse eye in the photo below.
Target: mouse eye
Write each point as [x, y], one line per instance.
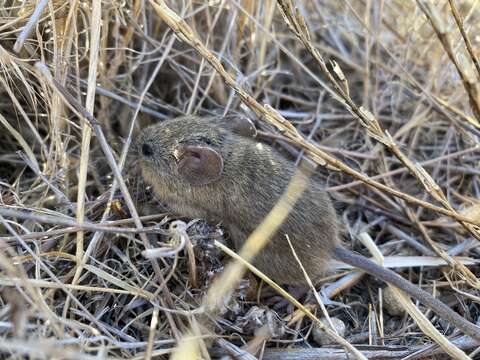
[147, 150]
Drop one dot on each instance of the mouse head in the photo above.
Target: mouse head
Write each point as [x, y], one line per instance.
[189, 149]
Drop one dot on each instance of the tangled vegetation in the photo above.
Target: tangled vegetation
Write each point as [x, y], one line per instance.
[382, 95]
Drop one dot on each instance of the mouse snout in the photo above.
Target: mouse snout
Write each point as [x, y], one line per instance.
[134, 148]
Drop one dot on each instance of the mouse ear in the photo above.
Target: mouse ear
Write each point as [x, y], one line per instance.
[240, 125]
[199, 165]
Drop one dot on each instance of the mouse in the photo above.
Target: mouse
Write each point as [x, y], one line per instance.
[214, 168]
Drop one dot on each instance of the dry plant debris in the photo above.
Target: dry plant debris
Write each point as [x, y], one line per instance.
[381, 95]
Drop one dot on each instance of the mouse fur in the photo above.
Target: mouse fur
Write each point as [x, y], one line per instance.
[253, 177]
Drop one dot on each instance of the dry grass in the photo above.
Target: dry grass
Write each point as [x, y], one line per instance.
[382, 95]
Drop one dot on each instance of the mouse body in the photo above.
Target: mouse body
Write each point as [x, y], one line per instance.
[212, 168]
[241, 185]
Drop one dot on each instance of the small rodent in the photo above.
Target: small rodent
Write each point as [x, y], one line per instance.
[213, 168]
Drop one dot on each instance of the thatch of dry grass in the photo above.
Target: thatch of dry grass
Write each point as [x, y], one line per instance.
[382, 96]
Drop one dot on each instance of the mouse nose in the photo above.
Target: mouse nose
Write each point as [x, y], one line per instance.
[147, 150]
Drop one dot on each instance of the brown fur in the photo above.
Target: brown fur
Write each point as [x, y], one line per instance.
[254, 177]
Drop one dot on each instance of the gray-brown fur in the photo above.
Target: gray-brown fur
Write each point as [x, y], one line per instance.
[254, 177]
[243, 183]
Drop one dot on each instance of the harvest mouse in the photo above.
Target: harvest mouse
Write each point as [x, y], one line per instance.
[213, 168]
